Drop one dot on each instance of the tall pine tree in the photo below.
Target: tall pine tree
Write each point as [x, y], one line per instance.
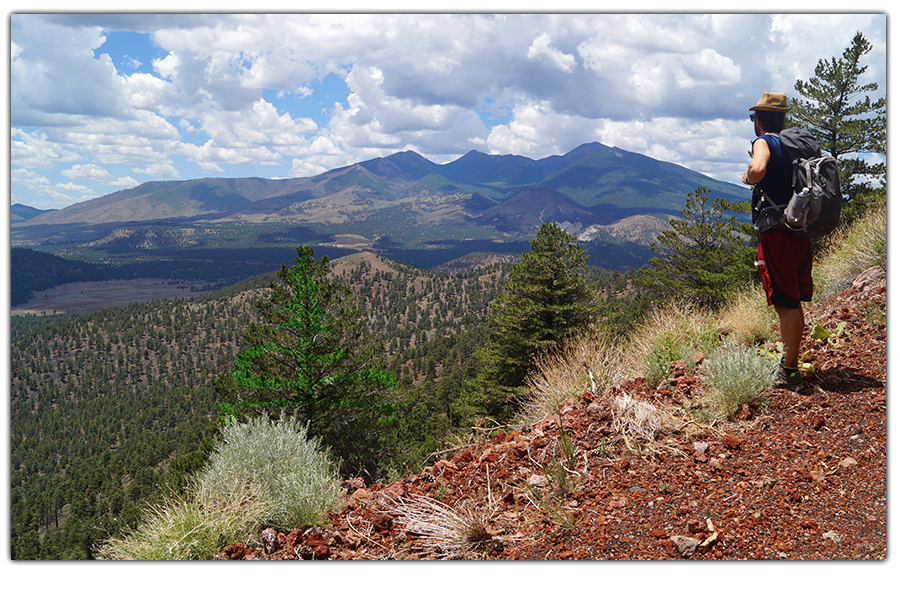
[545, 300]
[704, 257]
[313, 356]
[848, 124]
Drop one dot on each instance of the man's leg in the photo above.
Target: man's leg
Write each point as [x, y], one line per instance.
[792, 325]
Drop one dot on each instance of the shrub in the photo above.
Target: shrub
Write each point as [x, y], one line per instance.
[292, 475]
[851, 251]
[736, 375]
[188, 529]
[262, 473]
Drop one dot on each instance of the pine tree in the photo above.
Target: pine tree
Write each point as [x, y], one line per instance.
[312, 355]
[705, 255]
[545, 299]
[846, 126]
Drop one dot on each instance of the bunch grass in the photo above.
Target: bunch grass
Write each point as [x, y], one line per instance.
[182, 528]
[851, 251]
[587, 362]
[747, 317]
[672, 332]
[444, 532]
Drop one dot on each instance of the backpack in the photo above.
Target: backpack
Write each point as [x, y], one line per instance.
[815, 206]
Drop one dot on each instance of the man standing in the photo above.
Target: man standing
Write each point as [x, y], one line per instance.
[784, 260]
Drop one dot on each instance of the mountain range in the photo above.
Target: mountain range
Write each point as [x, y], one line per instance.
[599, 193]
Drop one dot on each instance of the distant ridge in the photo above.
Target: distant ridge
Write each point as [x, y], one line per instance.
[591, 175]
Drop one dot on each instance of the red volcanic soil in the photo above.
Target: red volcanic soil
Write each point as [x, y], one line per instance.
[801, 478]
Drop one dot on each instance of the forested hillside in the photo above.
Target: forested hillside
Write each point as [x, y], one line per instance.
[108, 408]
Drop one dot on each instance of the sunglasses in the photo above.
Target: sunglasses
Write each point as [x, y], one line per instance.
[753, 117]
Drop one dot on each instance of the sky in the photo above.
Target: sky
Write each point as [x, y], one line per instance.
[104, 102]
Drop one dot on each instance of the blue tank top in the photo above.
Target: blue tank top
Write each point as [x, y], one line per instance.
[778, 181]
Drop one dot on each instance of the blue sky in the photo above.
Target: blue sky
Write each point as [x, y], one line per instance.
[104, 102]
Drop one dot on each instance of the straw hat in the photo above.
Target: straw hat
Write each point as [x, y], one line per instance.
[771, 102]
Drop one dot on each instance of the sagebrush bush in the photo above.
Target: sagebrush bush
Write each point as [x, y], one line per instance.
[262, 473]
[734, 376]
[188, 529]
[293, 475]
[851, 251]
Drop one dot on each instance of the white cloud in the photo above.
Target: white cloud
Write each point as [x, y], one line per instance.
[35, 150]
[224, 90]
[88, 171]
[542, 48]
[158, 171]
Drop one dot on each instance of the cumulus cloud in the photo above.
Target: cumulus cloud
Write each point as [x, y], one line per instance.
[542, 49]
[88, 171]
[222, 90]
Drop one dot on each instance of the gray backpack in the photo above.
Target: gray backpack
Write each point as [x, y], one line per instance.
[815, 207]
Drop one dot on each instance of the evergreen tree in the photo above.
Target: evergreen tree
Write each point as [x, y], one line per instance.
[545, 299]
[705, 255]
[846, 126]
[313, 355]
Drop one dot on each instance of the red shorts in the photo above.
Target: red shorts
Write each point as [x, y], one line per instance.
[785, 268]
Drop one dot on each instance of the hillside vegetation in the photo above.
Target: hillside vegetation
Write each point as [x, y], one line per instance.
[112, 408]
[549, 485]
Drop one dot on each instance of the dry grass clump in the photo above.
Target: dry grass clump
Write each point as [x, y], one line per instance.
[188, 529]
[444, 532]
[636, 419]
[589, 362]
[748, 318]
[670, 333]
[851, 251]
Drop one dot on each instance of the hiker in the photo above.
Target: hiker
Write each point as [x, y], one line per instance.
[784, 260]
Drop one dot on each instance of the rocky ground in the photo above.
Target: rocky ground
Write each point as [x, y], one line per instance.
[802, 477]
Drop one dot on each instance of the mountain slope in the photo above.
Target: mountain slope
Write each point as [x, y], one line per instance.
[526, 210]
[590, 175]
[802, 478]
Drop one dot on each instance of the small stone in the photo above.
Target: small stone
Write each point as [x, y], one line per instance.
[685, 545]
[270, 540]
[869, 278]
[848, 462]
[701, 446]
[731, 442]
[594, 409]
[809, 524]
[695, 526]
[538, 481]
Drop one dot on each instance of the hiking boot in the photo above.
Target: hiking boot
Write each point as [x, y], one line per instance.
[789, 378]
